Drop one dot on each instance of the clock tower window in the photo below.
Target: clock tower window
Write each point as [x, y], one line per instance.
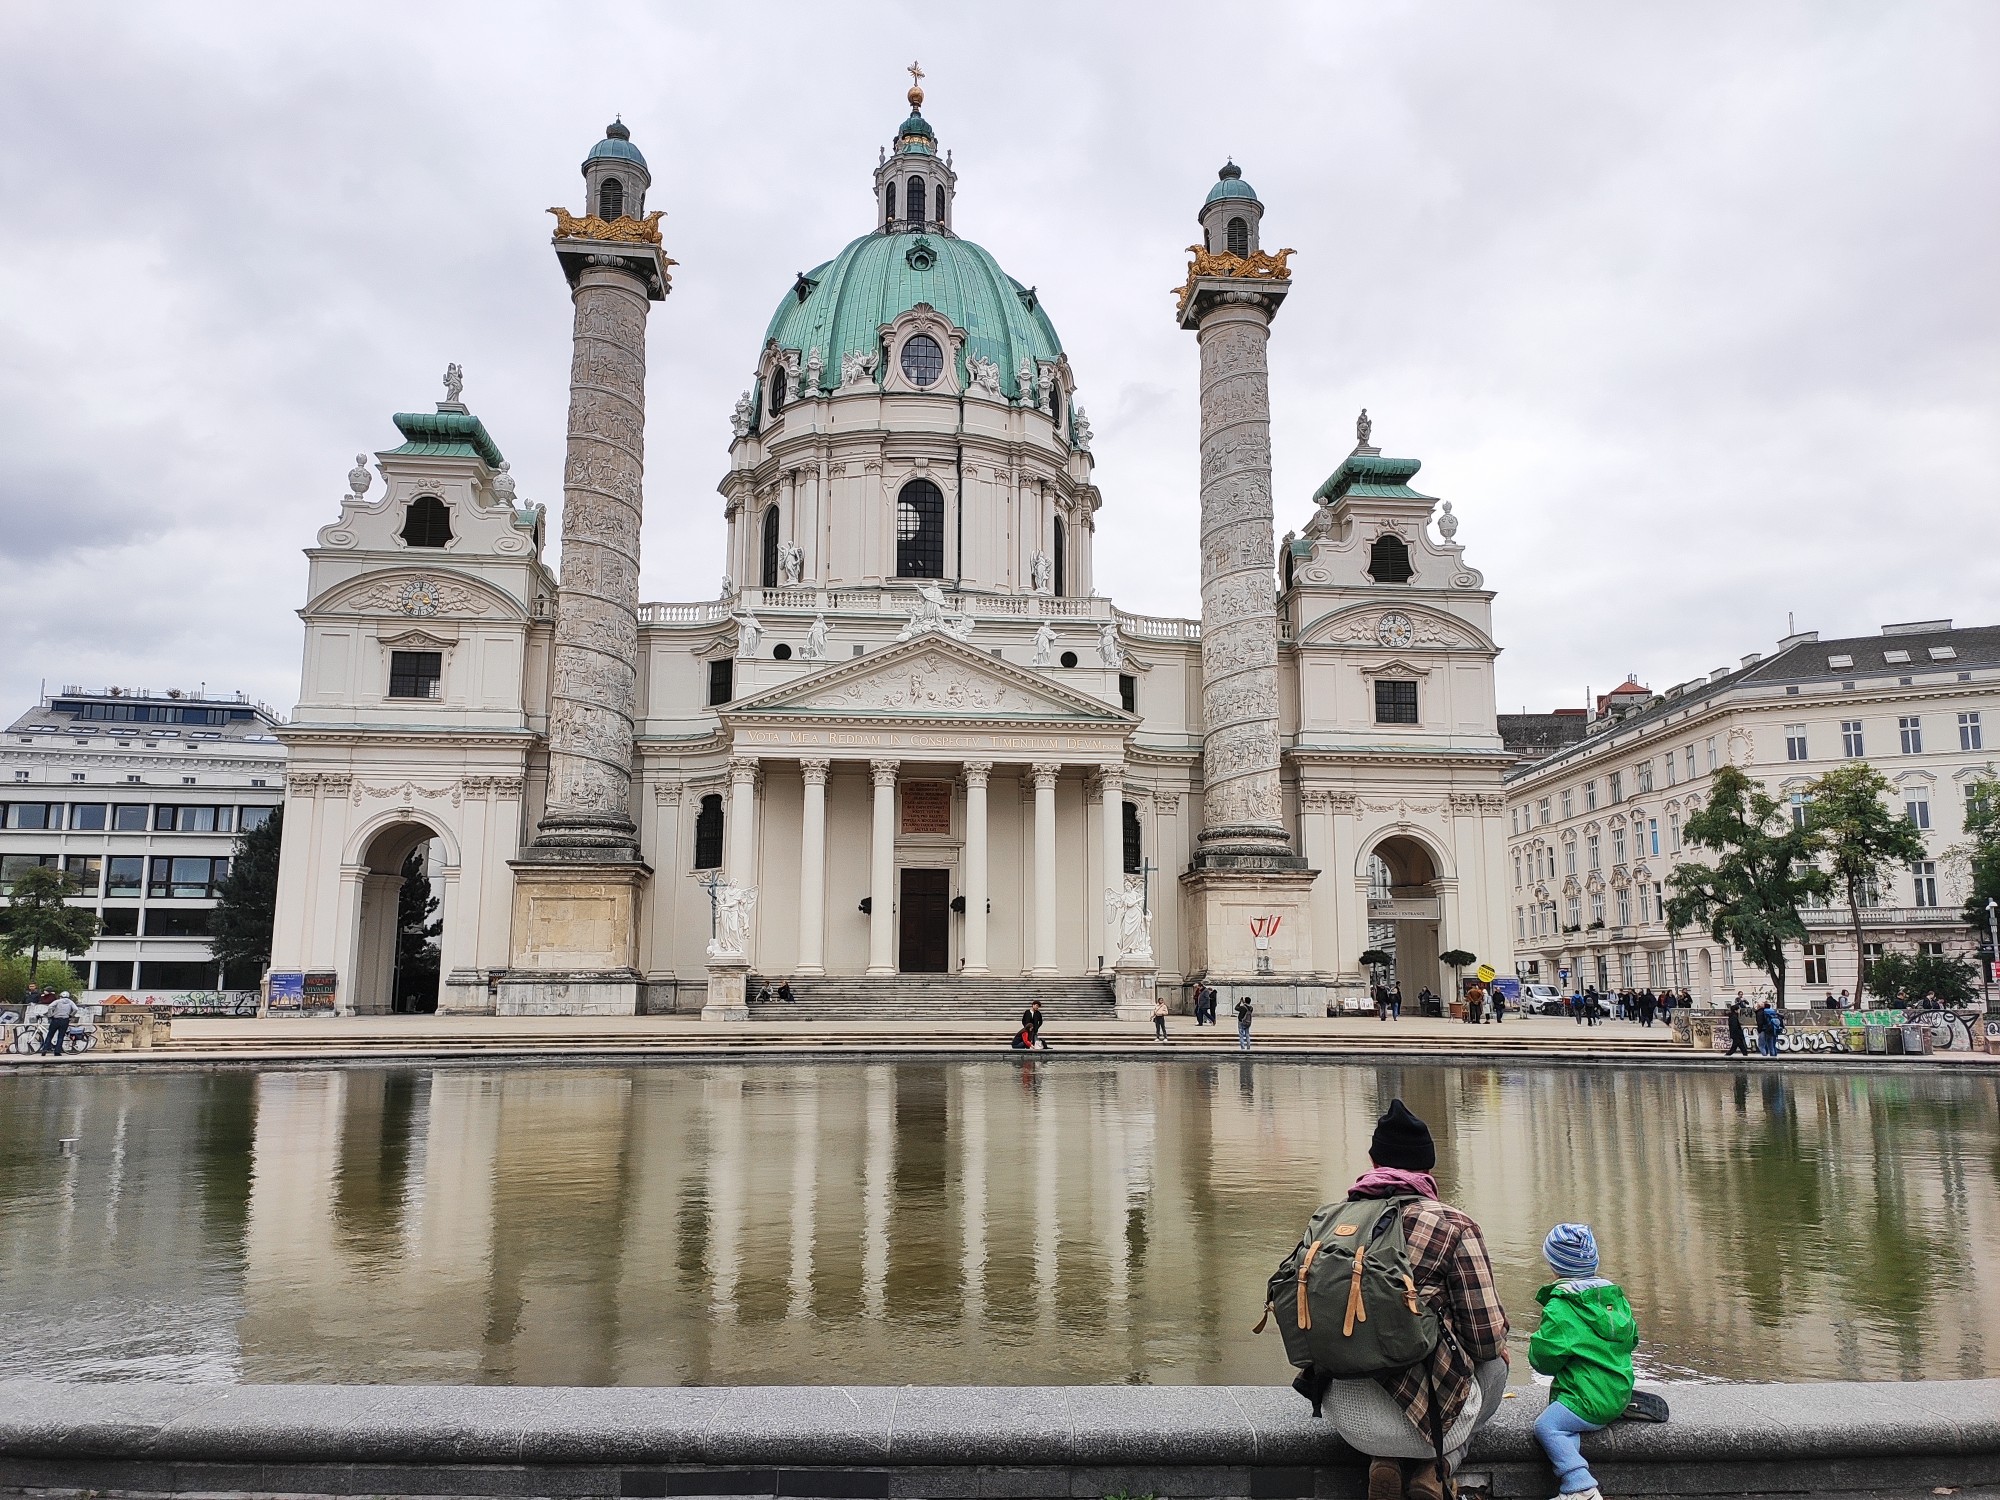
[427, 523]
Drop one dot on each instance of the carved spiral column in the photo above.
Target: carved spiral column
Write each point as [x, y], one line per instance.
[595, 669]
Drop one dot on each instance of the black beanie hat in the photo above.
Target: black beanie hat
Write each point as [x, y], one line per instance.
[1402, 1140]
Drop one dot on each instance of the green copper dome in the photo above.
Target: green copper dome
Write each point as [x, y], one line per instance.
[1230, 184]
[616, 146]
[879, 277]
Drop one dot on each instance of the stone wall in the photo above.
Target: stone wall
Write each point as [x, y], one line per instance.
[156, 1439]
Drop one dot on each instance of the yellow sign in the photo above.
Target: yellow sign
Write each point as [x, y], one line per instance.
[1486, 973]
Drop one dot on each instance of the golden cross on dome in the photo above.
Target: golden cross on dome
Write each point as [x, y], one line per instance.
[916, 85]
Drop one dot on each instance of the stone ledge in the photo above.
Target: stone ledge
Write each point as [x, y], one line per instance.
[144, 1438]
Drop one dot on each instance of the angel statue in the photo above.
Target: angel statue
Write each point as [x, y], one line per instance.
[1041, 573]
[749, 630]
[815, 647]
[1129, 923]
[733, 905]
[1107, 644]
[1045, 645]
[454, 384]
[791, 564]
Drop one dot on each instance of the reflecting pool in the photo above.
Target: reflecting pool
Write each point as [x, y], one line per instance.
[994, 1221]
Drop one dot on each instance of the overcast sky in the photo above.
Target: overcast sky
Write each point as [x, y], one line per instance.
[1689, 309]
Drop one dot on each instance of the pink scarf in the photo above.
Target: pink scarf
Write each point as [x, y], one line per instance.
[1392, 1182]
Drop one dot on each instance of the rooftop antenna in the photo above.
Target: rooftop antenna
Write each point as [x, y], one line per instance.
[1790, 628]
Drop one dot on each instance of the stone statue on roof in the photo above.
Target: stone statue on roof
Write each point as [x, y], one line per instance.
[454, 384]
[1363, 428]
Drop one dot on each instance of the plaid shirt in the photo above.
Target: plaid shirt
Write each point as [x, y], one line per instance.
[1455, 1277]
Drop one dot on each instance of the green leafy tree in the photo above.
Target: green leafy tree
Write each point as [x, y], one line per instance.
[52, 975]
[247, 901]
[1923, 979]
[1980, 853]
[1458, 960]
[1861, 837]
[417, 936]
[1764, 868]
[39, 916]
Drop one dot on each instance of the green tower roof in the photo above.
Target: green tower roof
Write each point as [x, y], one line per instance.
[1371, 476]
[1230, 184]
[446, 434]
[879, 277]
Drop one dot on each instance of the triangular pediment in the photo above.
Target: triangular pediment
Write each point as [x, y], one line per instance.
[930, 677]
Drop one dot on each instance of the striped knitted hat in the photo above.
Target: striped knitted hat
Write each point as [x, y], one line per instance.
[1571, 1250]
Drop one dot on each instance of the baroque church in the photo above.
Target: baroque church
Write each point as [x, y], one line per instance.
[909, 737]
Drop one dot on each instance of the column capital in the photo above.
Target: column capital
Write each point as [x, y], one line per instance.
[667, 793]
[814, 771]
[1045, 773]
[744, 768]
[884, 771]
[975, 772]
[1107, 782]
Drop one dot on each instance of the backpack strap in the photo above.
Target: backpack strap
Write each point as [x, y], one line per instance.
[1356, 1312]
[1305, 1264]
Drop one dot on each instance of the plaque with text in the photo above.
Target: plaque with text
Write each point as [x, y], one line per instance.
[927, 807]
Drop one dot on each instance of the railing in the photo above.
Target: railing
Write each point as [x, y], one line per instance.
[897, 603]
[1158, 627]
[1884, 916]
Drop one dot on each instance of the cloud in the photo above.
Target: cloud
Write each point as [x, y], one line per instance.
[1687, 309]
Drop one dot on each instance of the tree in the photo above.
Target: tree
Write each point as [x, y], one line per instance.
[39, 916]
[52, 975]
[247, 900]
[1915, 980]
[416, 936]
[1980, 853]
[1848, 811]
[1749, 898]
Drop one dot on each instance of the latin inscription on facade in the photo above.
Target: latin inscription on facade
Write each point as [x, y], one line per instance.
[927, 807]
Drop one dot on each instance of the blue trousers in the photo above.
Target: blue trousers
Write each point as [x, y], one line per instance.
[1558, 1428]
[1242, 1038]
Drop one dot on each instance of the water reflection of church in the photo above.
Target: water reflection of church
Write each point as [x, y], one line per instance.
[909, 735]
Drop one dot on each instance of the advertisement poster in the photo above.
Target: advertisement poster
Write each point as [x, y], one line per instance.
[287, 994]
[319, 988]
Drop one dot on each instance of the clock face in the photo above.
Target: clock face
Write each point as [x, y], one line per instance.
[418, 597]
[1396, 630]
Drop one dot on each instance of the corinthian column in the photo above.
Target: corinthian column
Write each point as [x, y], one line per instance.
[597, 615]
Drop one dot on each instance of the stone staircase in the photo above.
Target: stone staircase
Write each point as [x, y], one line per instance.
[923, 998]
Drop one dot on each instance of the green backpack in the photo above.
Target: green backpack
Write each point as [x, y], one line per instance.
[1346, 1299]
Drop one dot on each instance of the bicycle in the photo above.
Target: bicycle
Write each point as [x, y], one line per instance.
[30, 1035]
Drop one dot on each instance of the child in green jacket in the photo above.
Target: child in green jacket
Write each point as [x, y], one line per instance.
[1585, 1342]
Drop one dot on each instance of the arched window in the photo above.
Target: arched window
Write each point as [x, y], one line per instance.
[940, 205]
[1238, 237]
[920, 531]
[913, 200]
[1389, 559]
[770, 565]
[1056, 405]
[708, 833]
[427, 523]
[1059, 555]
[889, 204]
[1134, 848]
[611, 199]
[778, 374]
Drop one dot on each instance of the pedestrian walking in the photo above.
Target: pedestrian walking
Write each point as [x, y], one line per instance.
[62, 1010]
[1585, 1343]
[1738, 1042]
[1396, 1003]
[1243, 1013]
[1769, 1024]
[1159, 1017]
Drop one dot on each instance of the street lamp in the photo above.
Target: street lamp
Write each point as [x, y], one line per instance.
[1992, 951]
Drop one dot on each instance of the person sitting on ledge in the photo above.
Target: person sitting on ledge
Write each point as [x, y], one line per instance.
[1457, 1389]
[1585, 1342]
[785, 992]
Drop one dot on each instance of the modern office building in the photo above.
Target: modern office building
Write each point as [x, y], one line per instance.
[140, 796]
[1596, 826]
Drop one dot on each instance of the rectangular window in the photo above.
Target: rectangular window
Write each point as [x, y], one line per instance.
[35, 815]
[1917, 805]
[1673, 833]
[1969, 736]
[125, 874]
[13, 866]
[708, 834]
[1799, 802]
[1135, 849]
[1653, 835]
[1912, 729]
[1569, 806]
[1850, 739]
[1618, 846]
[86, 870]
[178, 922]
[1595, 862]
[415, 674]
[154, 975]
[721, 682]
[86, 817]
[1690, 762]
[248, 818]
[1978, 798]
[1128, 692]
[1569, 856]
[1590, 796]
[1514, 820]
[1644, 781]
[1544, 806]
[1624, 907]
[1597, 907]
[1575, 911]
[1520, 925]
[1714, 757]
[191, 819]
[1673, 777]
[1795, 742]
[1517, 872]
[180, 877]
[130, 817]
[1617, 787]
[114, 976]
[1815, 963]
[1924, 875]
[1395, 702]
[120, 921]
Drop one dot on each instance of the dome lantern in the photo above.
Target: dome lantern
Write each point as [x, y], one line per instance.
[1231, 214]
[914, 187]
[615, 176]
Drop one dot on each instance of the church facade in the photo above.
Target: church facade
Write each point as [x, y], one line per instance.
[909, 736]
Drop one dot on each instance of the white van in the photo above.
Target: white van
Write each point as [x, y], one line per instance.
[1541, 1000]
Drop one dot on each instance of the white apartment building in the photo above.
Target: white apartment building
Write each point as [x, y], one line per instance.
[140, 796]
[1595, 827]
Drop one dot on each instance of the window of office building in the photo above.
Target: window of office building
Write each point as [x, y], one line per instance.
[13, 866]
[1714, 755]
[87, 817]
[125, 873]
[1597, 907]
[86, 872]
[179, 877]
